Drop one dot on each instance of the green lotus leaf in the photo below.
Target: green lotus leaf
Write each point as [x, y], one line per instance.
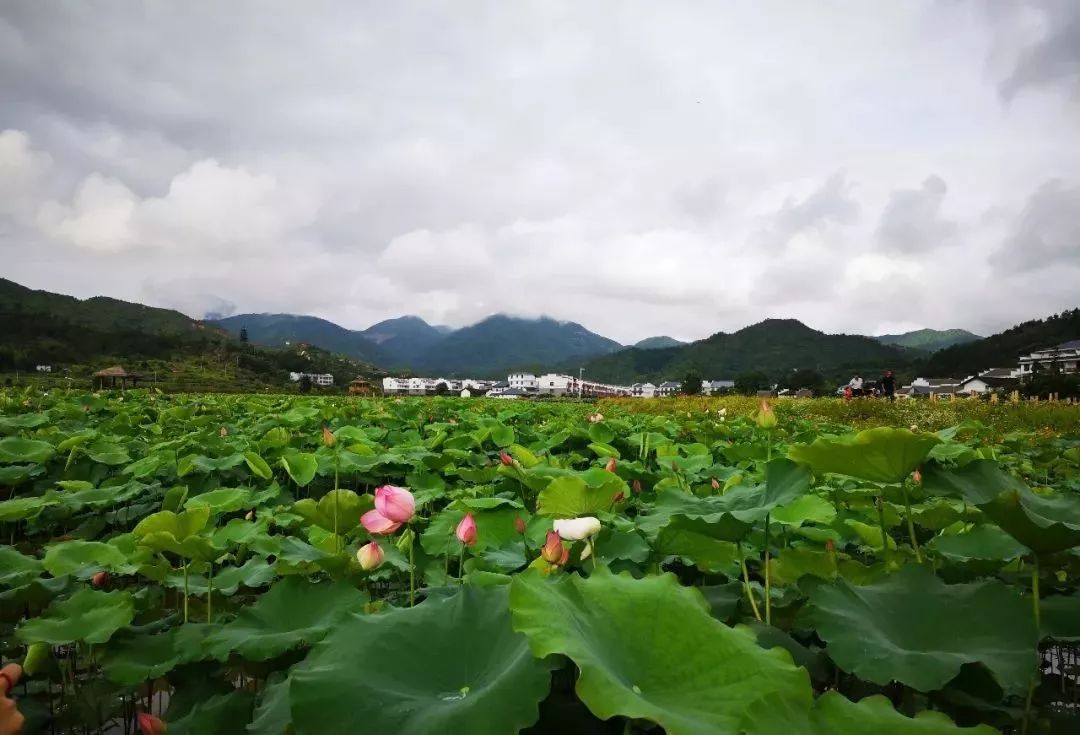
[148, 465]
[273, 714]
[1042, 523]
[24, 421]
[75, 485]
[913, 628]
[17, 474]
[253, 573]
[88, 615]
[222, 500]
[177, 532]
[133, 659]
[221, 714]
[21, 509]
[258, 465]
[102, 497]
[701, 543]
[301, 467]
[16, 450]
[793, 564]
[450, 665]
[1061, 617]
[293, 613]
[614, 545]
[984, 543]
[16, 569]
[878, 455]
[586, 494]
[84, 558]
[806, 509]
[658, 667]
[494, 528]
[108, 453]
[347, 505]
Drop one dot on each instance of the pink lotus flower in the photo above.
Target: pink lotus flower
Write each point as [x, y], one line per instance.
[619, 497]
[636, 486]
[552, 551]
[506, 459]
[370, 556]
[519, 525]
[466, 530]
[100, 579]
[715, 484]
[395, 503]
[151, 724]
[916, 477]
[611, 464]
[375, 522]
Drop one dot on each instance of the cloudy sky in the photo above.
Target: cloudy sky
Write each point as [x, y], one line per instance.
[640, 167]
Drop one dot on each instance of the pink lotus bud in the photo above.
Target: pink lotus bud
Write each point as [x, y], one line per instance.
[328, 438]
[619, 497]
[370, 556]
[223, 432]
[519, 525]
[766, 418]
[715, 484]
[151, 724]
[395, 503]
[636, 486]
[375, 522]
[466, 530]
[565, 557]
[611, 464]
[830, 546]
[506, 459]
[552, 551]
[916, 477]
[100, 579]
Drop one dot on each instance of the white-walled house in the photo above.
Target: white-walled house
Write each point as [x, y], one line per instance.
[643, 390]
[669, 388]
[525, 381]
[322, 379]
[711, 387]
[1065, 358]
[554, 384]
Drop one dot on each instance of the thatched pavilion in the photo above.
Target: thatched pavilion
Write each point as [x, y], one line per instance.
[361, 387]
[110, 377]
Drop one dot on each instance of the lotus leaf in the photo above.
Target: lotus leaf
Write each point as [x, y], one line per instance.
[83, 558]
[88, 615]
[878, 455]
[15, 450]
[301, 467]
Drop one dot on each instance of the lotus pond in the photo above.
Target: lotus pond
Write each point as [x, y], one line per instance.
[323, 566]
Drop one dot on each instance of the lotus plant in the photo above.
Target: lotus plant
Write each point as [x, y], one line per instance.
[151, 724]
[579, 529]
[394, 506]
[370, 556]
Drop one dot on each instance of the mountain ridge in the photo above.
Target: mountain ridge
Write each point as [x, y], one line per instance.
[929, 340]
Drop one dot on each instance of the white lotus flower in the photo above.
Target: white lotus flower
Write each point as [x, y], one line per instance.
[577, 529]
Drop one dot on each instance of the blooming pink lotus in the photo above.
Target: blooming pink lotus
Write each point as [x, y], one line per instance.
[375, 522]
[466, 530]
[151, 724]
[370, 556]
[395, 503]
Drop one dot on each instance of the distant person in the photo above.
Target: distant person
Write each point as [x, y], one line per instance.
[888, 385]
[856, 385]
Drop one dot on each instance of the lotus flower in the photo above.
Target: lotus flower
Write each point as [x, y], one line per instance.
[715, 483]
[916, 477]
[519, 525]
[618, 498]
[577, 529]
[611, 464]
[766, 418]
[223, 432]
[100, 579]
[328, 438]
[395, 503]
[370, 556]
[596, 417]
[636, 486]
[375, 522]
[249, 516]
[151, 724]
[466, 530]
[506, 459]
[552, 551]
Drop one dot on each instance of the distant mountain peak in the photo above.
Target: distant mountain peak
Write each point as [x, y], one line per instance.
[658, 343]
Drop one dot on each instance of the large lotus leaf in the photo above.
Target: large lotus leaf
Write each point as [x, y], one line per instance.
[345, 504]
[913, 628]
[301, 467]
[294, 613]
[17, 474]
[16, 450]
[587, 494]
[834, 714]
[255, 572]
[494, 528]
[273, 714]
[649, 649]
[134, 659]
[701, 543]
[88, 615]
[450, 665]
[201, 463]
[102, 497]
[148, 465]
[222, 714]
[177, 532]
[20, 509]
[791, 565]
[806, 509]
[108, 453]
[16, 569]
[83, 558]
[878, 455]
[25, 421]
[984, 543]
[258, 465]
[1043, 523]
[222, 500]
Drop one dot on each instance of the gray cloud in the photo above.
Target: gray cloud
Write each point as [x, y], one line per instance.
[830, 205]
[912, 221]
[1047, 232]
[1054, 58]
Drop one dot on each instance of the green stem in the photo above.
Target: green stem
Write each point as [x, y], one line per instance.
[746, 581]
[768, 577]
[461, 565]
[185, 592]
[210, 594]
[884, 534]
[910, 523]
[412, 574]
[1035, 605]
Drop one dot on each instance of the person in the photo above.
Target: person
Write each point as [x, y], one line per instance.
[11, 720]
[848, 392]
[888, 385]
[856, 385]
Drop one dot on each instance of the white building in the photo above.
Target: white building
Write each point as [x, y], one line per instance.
[395, 385]
[669, 388]
[643, 390]
[525, 381]
[321, 379]
[712, 387]
[1064, 358]
[554, 384]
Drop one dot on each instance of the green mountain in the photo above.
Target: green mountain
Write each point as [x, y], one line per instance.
[280, 330]
[1004, 349]
[929, 340]
[774, 347]
[404, 340]
[500, 343]
[656, 343]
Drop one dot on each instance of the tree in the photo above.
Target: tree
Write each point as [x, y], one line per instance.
[243, 335]
[441, 388]
[691, 383]
[750, 383]
[811, 379]
[305, 384]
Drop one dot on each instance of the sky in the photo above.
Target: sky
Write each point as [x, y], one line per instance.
[642, 168]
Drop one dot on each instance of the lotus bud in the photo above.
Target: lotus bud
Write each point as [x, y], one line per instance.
[375, 522]
[466, 530]
[619, 497]
[916, 477]
[552, 550]
[506, 459]
[715, 483]
[370, 556]
[564, 557]
[636, 486]
[587, 551]
[405, 541]
[328, 438]
[830, 546]
[577, 529]
[151, 724]
[766, 418]
[99, 580]
[223, 432]
[249, 516]
[395, 503]
[596, 417]
[611, 464]
[519, 525]
[36, 656]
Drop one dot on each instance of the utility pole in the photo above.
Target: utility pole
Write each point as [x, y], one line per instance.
[580, 380]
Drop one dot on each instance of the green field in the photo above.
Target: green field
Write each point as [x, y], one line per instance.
[824, 568]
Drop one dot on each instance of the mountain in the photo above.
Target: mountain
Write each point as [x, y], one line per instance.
[774, 347]
[404, 340]
[1004, 349]
[928, 340]
[656, 343]
[502, 343]
[274, 330]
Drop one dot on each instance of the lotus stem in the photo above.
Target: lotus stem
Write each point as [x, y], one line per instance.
[768, 578]
[460, 567]
[412, 574]
[746, 581]
[185, 592]
[881, 524]
[910, 522]
[210, 594]
[1036, 614]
